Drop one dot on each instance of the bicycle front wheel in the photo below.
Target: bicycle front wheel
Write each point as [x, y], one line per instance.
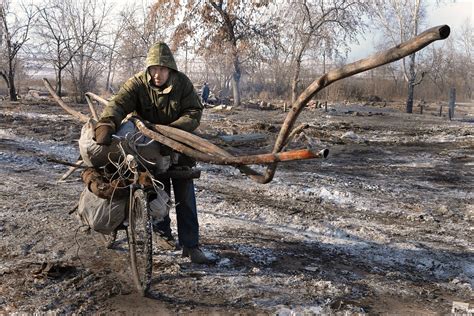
[140, 240]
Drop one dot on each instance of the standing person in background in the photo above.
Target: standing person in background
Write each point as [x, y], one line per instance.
[162, 95]
[205, 93]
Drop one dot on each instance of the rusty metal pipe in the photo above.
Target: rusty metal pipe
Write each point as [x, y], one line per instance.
[395, 53]
[191, 140]
[231, 160]
[198, 143]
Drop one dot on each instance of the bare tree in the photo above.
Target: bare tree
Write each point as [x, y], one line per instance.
[400, 20]
[15, 30]
[317, 22]
[58, 44]
[142, 27]
[113, 54]
[230, 27]
[87, 21]
[466, 58]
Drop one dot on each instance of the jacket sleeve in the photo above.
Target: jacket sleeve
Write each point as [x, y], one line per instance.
[190, 109]
[123, 103]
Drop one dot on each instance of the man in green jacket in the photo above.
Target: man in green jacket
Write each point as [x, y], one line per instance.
[162, 95]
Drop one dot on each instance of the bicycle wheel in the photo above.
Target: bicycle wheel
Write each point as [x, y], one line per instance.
[140, 242]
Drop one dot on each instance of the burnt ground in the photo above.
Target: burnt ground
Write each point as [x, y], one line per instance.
[384, 225]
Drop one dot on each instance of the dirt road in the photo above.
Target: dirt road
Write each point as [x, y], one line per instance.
[384, 225]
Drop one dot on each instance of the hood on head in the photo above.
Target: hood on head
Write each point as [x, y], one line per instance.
[160, 55]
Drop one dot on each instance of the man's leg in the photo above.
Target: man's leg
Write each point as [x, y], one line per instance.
[188, 226]
[186, 212]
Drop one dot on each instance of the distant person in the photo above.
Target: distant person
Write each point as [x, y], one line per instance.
[162, 95]
[205, 93]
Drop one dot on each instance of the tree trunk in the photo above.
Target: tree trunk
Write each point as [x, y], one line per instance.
[59, 83]
[295, 80]
[411, 85]
[236, 88]
[11, 80]
[236, 79]
[452, 102]
[411, 90]
[107, 82]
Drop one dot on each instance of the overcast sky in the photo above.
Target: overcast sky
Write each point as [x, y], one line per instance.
[452, 14]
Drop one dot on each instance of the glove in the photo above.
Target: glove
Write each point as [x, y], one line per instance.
[89, 175]
[102, 188]
[186, 161]
[103, 132]
[165, 150]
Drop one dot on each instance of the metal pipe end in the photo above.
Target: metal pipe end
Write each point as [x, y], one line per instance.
[324, 153]
[444, 31]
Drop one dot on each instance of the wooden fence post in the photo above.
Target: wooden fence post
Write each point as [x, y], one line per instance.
[452, 102]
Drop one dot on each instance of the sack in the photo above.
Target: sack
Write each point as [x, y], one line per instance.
[95, 155]
[98, 156]
[160, 206]
[101, 215]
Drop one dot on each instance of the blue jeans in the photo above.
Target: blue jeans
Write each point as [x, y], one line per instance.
[186, 212]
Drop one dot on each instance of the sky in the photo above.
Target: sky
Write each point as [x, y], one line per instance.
[452, 13]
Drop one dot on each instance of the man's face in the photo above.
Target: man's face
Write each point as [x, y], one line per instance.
[159, 75]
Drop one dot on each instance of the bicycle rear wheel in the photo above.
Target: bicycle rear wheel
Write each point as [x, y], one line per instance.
[140, 247]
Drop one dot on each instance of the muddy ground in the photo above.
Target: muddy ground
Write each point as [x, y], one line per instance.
[383, 225]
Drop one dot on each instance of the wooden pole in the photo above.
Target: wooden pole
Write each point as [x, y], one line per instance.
[92, 108]
[452, 103]
[81, 117]
[71, 170]
[395, 53]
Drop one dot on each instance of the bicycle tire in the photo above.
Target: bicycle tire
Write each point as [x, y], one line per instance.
[140, 242]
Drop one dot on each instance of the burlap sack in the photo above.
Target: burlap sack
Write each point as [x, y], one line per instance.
[99, 214]
[98, 156]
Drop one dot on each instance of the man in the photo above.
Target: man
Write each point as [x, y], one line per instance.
[162, 95]
[205, 92]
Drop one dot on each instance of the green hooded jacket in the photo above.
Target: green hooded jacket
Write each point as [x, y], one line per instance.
[175, 103]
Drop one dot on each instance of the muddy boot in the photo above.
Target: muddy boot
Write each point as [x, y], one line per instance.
[196, 255]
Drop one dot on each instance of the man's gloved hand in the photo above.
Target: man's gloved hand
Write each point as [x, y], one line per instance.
[103, 132]
[103, 188]
[186, 161]
[165, 150]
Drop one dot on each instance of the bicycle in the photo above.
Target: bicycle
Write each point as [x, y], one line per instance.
[138, 222]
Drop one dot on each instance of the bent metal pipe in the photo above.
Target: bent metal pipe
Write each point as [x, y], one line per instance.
[220, 156]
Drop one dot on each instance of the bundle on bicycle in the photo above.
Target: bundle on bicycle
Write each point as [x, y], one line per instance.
[122, 191]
